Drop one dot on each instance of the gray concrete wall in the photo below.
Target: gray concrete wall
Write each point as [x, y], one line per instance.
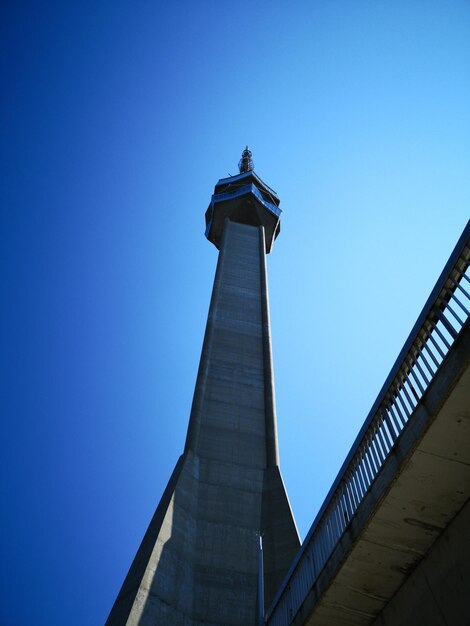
[198, 561]
[437, 593]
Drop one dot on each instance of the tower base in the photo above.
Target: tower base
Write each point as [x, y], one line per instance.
[197, 563]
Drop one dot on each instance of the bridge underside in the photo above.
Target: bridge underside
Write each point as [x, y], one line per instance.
[406, 557]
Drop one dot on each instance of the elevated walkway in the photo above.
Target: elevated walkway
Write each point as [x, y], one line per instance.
[391, 543]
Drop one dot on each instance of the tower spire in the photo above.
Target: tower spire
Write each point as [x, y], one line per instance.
[246, 162]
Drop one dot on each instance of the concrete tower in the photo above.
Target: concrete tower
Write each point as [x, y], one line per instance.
[199, 559]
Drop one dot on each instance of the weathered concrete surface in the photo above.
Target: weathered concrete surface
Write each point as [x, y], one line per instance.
[422, 487]
[198, 561]
[438, 591]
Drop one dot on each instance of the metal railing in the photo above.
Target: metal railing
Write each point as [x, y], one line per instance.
[241, 191]
[440, 322]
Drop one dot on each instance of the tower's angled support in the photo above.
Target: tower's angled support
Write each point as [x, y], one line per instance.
[198, 561]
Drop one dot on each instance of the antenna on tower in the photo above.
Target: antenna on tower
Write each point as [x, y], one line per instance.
[246, 162]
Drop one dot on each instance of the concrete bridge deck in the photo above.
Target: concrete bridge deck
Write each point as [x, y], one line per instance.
[410, 510]
[391, 544]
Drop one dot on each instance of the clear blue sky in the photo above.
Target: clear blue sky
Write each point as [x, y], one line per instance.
[117, 119]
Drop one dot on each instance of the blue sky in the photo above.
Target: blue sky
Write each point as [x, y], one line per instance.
[117, 119]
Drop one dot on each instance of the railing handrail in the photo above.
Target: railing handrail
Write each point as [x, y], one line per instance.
[241, 191]
[427, 321]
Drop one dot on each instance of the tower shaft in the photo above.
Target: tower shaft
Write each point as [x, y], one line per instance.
[233, 414]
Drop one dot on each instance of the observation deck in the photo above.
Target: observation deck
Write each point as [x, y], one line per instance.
[245, 199]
